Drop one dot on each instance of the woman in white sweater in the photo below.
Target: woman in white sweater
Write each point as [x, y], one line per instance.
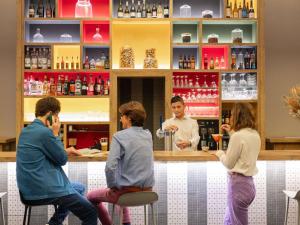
[240, 160]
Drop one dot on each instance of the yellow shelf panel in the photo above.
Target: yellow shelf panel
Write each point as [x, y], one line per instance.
[66, 51]
[87, 110]
[142, 35]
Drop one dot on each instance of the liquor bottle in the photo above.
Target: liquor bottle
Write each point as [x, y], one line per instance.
[149, 12]
[193, 64]
[205, 62]
[92, 64]
[72, 64]
[139, 10]
[247, 10]
[240, 60]
[120, 10]
[77, 63]
[67, 63]
[160, 12]
[217, 63]
[233, 60]
[188, 66]
[126, 13]
[84, 87]
[26, 86]
[96, 87]
[106, 64]
[154, 11]
[251, 10]
[132, 10]
[31, 10]
[52, 87]
[62, 63]
[240, 9]
[222, 63]
[244, 10]
[44, 59]
[101, 86]
[66, 86]
[40, 9]
[91, 86]
[46, 86]
[57, 63]
[185, 62]
[40, 59]
[53, 11]
[39, 87]
[59, 87]
[228, 10]
[34, 60]
[27, 59]
[166, 10]
[180, 62]
[211, 64]
[48, 9]
[253, 60]
[78, 86]
[235, 10]
[203, 141]
[144, 11]
[106, 88]
[72, 87]
[32, 86]
[86, 64]
[49, 59]
[102, 60]
[247, 61]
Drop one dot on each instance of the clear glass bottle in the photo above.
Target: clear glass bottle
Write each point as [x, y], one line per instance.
[27, 59]
[237, 36]
[83, 9]
[38, 37]
[97, 36]
[120, 13]
[185, 11]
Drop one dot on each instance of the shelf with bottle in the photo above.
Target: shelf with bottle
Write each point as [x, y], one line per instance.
[237, 32]
[239, 86]
[83, 8]
[66, 57]
[244, 58]
[185, 32]
[54, 31]
[198, 9]
[200, 92]
[185, 58]
[245, 9]
[206, 129]
[67, 85]
[135, 45]
[40, 9]
[88, 136]
[37, 57]
[215, 57]
[131, 9]
[95, 58]
[96, 32]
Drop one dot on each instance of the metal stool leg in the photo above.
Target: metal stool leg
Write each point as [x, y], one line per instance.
[2, 212]
[298, 201]
[29, 215]
[25, 215]
[145, 214]
[153, 214]
[121, 215]
[112, 214]
[287, 211]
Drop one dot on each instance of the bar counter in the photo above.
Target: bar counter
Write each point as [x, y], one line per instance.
[177, 156]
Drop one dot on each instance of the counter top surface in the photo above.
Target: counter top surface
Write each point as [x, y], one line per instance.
[174, 156]
[283, 139]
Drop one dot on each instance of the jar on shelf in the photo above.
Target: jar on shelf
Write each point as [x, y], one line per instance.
[38, 37]
[83, 9]
[213, 38]
[186, 37]
[126, 57]
[207, 14]
[65, 38]
[237, 36]
[150, 62]
[185, 11]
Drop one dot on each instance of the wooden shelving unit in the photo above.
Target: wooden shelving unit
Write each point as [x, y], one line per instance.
[166, 71]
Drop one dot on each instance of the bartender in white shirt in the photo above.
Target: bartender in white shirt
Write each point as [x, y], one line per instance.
[186, 129]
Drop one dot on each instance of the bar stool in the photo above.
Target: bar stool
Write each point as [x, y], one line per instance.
[133, 199]
[2, 194]
[293, 195]
[28, 205]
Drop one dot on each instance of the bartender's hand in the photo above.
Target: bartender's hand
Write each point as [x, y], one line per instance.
[226, 127]
[171, 128]
[73, 151]
[183, 144]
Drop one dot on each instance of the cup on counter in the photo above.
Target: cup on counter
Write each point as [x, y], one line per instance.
[72, 142]
[104, 144]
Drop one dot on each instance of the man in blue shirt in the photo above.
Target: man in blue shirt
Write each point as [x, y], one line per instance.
[129, 167]
[40, 157]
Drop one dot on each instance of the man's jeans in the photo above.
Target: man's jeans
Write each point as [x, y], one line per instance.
[76, 203]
